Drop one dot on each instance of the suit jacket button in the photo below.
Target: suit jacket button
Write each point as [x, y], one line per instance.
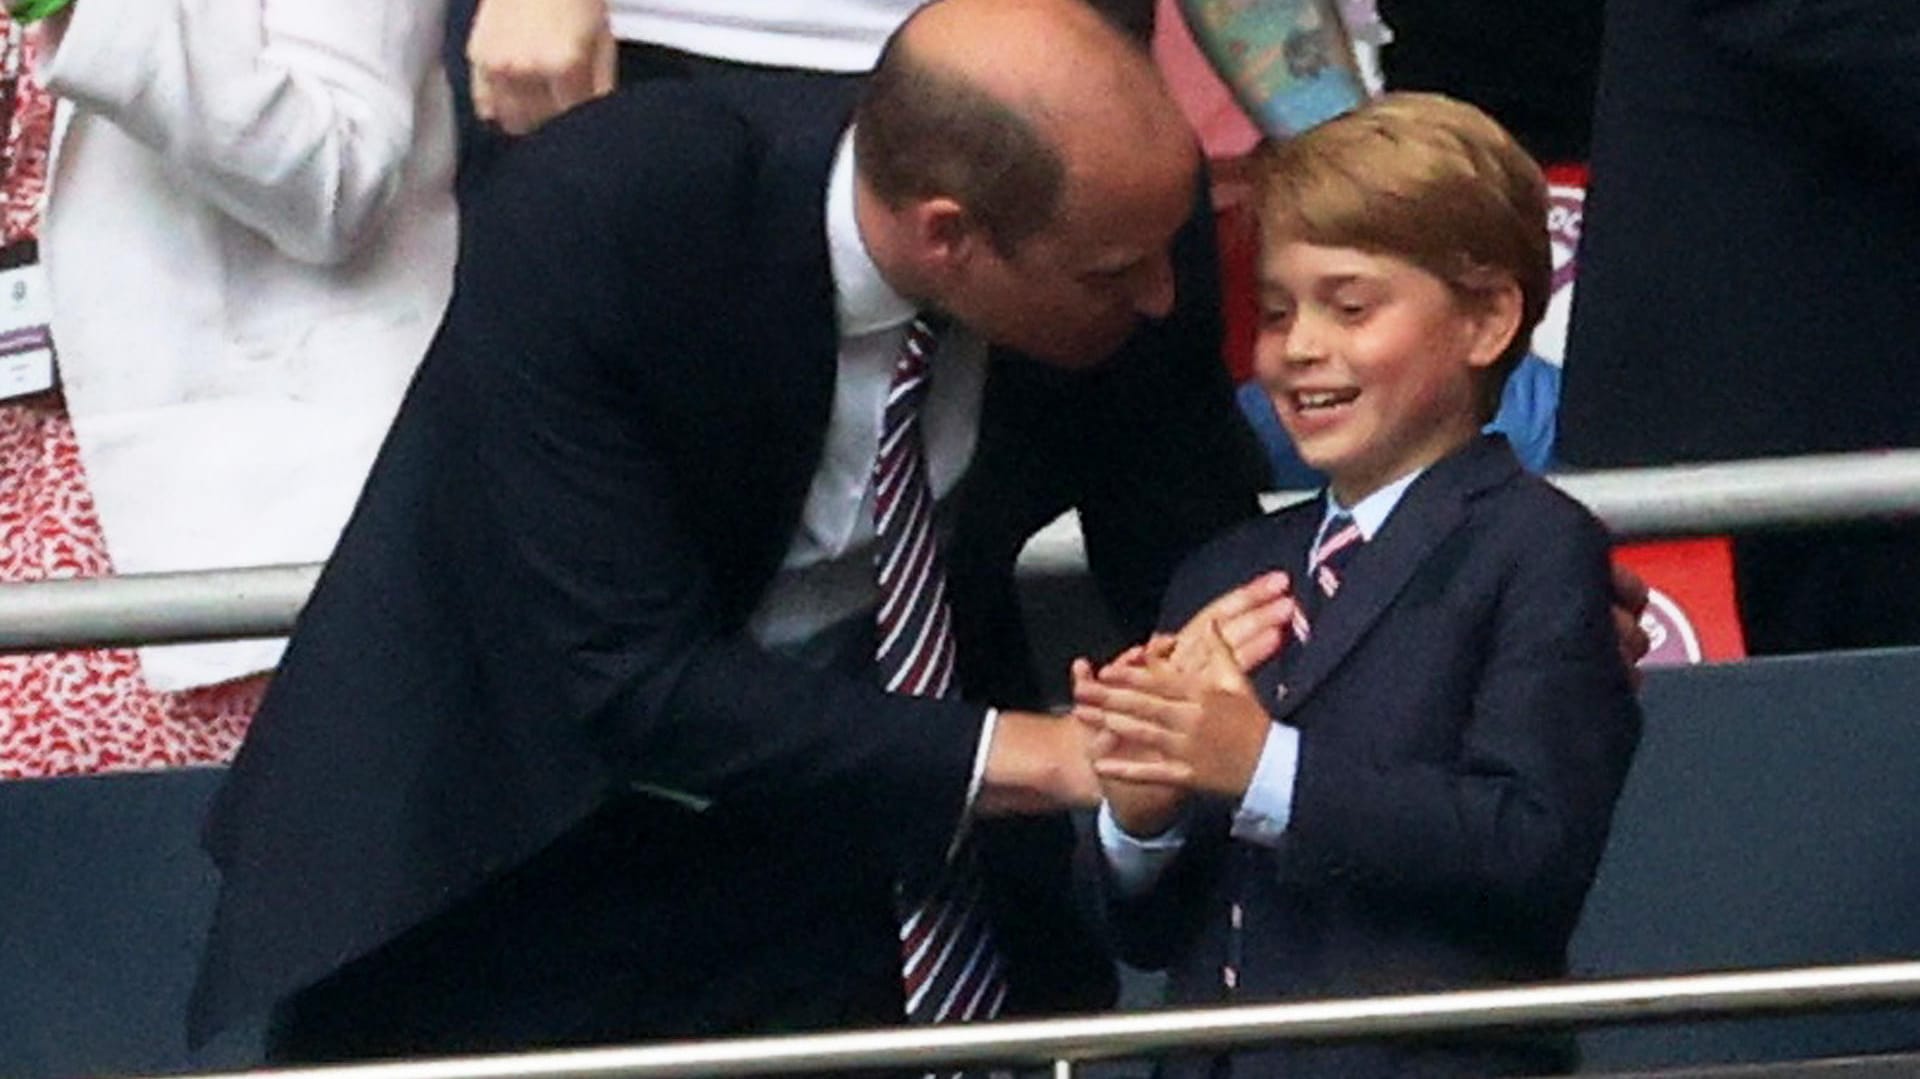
[1280, 692]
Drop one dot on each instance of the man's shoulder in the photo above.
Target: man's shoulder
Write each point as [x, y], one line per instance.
[656, 144]
[643, 206]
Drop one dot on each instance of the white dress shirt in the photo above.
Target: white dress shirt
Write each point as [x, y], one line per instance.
[827, 577]
[1267, 805]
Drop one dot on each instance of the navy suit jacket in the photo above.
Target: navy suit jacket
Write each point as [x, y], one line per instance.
[527, 657]
[1465, 726]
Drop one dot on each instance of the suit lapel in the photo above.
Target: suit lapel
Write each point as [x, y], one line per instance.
[1428, 513]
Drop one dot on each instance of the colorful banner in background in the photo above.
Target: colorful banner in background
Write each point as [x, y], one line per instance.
[1566, 210]
[1691, 616]
[1289, 63]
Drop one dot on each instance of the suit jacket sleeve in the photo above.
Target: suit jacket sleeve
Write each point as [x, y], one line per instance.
[580, 320]
[1515, 820]
[1861, 57]
[294, 118]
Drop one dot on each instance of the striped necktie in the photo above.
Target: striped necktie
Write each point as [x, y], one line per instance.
[1340, 540]
[951, 966]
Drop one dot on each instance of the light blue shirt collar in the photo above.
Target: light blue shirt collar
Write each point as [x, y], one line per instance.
[1371, 512]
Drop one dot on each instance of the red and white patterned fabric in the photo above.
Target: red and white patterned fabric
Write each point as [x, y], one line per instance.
[63, 713]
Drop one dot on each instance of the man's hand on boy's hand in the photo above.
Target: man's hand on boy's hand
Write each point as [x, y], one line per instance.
[1206, 726]
[1143, 810]
[1629, 603]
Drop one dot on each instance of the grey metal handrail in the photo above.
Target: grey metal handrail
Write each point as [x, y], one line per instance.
[1062, 1043]
[262, 602]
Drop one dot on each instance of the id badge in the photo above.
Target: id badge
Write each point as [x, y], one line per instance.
[26, 342]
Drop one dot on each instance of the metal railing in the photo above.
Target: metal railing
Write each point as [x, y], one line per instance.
[1635, 503]
[1064, 1043]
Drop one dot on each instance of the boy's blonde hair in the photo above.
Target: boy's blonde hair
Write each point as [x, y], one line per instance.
[1423, 178]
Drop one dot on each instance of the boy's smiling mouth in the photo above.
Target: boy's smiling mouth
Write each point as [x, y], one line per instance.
[1314, 400]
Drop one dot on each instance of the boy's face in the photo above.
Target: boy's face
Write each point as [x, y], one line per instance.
[1373, 364]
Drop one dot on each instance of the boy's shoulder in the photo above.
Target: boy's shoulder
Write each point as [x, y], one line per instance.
[1296, 520]
[1536, 505]
[1274, 540]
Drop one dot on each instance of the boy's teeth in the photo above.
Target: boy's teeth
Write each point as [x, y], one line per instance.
[1321, 399]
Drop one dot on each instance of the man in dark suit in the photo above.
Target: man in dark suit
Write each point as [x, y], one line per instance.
[1749, 285]
[580, 738]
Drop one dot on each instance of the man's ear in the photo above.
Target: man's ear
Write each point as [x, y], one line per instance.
[941, 235]
[1496, 319]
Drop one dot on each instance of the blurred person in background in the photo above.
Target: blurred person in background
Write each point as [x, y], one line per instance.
[248, 240]
[1749, 281]
[1531, 66]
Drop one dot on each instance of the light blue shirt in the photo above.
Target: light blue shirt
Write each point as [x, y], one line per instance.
[1267, 805]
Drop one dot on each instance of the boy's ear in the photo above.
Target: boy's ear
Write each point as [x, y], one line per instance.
[1496, 319]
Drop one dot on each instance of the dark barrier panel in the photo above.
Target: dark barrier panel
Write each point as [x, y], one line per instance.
[1881, 1067]
[1772, 819]
[103, 898]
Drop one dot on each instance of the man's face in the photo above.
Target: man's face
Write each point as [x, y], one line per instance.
[1071, 294]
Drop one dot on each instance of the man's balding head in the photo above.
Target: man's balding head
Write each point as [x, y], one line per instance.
[995, 103]
[1022, 165]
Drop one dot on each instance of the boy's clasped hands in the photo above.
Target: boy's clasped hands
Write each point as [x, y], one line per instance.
[1177, 716]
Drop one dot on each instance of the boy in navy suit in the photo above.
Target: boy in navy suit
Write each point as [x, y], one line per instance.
[1414, 794]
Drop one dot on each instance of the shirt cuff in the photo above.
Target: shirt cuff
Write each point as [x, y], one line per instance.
[1268, 804]
[1137, 863]
[973, 782]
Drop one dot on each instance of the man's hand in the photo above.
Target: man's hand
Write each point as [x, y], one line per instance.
[1205, 727]
[1037, 764]
[1143, 810]
[1629, 603]
[535, 59]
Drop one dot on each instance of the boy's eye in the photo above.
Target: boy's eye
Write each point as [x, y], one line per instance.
[1272, 317]
[1351, 310]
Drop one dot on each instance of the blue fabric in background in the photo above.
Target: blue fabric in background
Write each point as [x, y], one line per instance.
[1526, 417]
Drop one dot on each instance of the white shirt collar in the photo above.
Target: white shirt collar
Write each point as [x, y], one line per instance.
[1371, 512]
[863, 301]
